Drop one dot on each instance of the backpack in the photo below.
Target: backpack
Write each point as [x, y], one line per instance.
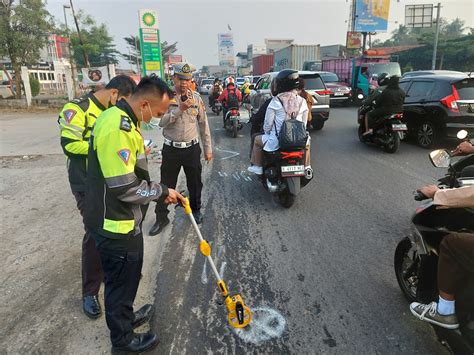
[293, 134]
[232, 99]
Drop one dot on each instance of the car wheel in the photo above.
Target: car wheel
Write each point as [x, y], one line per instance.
[426, 134]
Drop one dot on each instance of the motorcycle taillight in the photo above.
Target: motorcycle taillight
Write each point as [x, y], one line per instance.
[292, 155]
[234, 112]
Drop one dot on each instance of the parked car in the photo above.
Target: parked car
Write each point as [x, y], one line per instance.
[438, 106]
[205, 86]
[340, 91]
[314, 86]
[239, 82]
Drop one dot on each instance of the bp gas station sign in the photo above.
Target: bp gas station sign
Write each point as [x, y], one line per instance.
[150, 45]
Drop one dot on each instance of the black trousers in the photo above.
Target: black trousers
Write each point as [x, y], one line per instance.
[92, 274]
[173, 160]
[456, 261]
[122, 261]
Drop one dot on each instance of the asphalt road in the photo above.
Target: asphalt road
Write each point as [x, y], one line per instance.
[319, 276]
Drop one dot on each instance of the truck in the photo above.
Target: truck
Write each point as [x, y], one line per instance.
[295, 55]
[262, 64]
[361, 73]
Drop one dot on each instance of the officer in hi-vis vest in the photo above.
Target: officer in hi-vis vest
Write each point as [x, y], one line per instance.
[76, 121]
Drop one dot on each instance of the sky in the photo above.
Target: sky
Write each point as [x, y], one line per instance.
[195, 24]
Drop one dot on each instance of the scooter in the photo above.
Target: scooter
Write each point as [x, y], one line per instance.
[284, 174]
[416, 256]
[232, 122]
[387, 133]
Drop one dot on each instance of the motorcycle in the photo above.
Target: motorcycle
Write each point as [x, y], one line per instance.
[232, 122]
[284, 174]
[216, 107]
[416, 256]
[387, 133]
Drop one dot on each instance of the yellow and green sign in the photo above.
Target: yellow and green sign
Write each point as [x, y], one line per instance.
[150, 43]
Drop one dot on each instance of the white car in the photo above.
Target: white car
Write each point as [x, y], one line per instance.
[206, 86]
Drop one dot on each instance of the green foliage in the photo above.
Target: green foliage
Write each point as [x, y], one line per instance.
[34, 85]
[98, 43]
[455, 49]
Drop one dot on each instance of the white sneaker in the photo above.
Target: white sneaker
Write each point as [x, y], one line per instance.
[255, 169]
[429, 313]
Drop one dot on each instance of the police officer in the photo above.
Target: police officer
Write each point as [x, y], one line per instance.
[184, 122]
[117, 197]
[76, 121]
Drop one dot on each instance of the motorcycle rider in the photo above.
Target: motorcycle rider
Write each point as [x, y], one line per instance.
[215, 91]
[245, 89]
[230, 97]
[287, 102]
[389, 101]
[456, 260]
[367, 104]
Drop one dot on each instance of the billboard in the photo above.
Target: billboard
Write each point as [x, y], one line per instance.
[372, 15]
[175, 58]
[94, 76]
[225, 46]
[419, 15]
[354, 40]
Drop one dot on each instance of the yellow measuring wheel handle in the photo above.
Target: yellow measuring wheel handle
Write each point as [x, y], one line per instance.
[239, 315]
[205, 248]
[187, 206]
[223, 288]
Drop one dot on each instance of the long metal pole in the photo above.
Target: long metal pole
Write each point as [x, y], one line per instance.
[71, 58]
[84, 53]
[435, 49]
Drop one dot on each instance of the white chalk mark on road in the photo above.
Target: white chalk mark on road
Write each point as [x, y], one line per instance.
[204, 279]
[267, 323]
[232, 153]
[236, 176]
[221, 270]
[244, 176]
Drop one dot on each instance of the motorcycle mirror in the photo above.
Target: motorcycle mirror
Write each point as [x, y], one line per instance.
[462, 134]
[440, 158]
[360, 96]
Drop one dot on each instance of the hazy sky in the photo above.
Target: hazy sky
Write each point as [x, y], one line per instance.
[194, 24]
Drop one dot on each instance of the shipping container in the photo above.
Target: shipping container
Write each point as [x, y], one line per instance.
[294, 56]
[262, 64]
[342, 67]
[332, 52]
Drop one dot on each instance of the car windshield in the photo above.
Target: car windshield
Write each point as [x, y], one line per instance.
[389, 68]
[240, 80]
[207, 81]
[313, 82]
[255, 79]
[330, 77]
[465, 89]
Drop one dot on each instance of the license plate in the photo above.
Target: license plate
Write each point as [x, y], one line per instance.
[292, 170]
[338, 94]
[399, 127]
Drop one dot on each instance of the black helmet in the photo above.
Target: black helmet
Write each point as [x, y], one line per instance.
[287, 80]
[383, 79]
[393, 81]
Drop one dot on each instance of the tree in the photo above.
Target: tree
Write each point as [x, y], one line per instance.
[98, 43]
[24, 28]
[133, 43]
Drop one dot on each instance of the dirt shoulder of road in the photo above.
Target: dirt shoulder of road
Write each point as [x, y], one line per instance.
[42, 233]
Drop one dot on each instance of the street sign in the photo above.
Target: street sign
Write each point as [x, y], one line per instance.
[417, 16]
[353, 40]
[150, 43]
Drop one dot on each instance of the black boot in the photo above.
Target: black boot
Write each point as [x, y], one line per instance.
[140, 343]
[143, 315]
[160, 224]
[91, 307]
[197, 216]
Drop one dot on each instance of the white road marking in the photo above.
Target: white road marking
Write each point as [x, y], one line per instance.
[204, 279]
[232, 153]
[221, 270]
[267, 323]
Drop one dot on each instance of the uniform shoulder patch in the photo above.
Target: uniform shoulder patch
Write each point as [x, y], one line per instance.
[69, 115]
[82, 102]
[124, 154]
[125, 124]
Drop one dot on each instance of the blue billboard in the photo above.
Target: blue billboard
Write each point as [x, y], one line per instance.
[371, 15]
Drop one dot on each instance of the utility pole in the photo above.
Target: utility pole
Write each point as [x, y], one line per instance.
[435, 49]
[84, 53]
[71, 57]
[137, 55]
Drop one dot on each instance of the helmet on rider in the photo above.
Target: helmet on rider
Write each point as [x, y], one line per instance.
[287, 80]
[383, 79]
[247, 80]
[393, 81]
[229, 81]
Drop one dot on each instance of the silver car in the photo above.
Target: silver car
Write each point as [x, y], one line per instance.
[314, 85]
